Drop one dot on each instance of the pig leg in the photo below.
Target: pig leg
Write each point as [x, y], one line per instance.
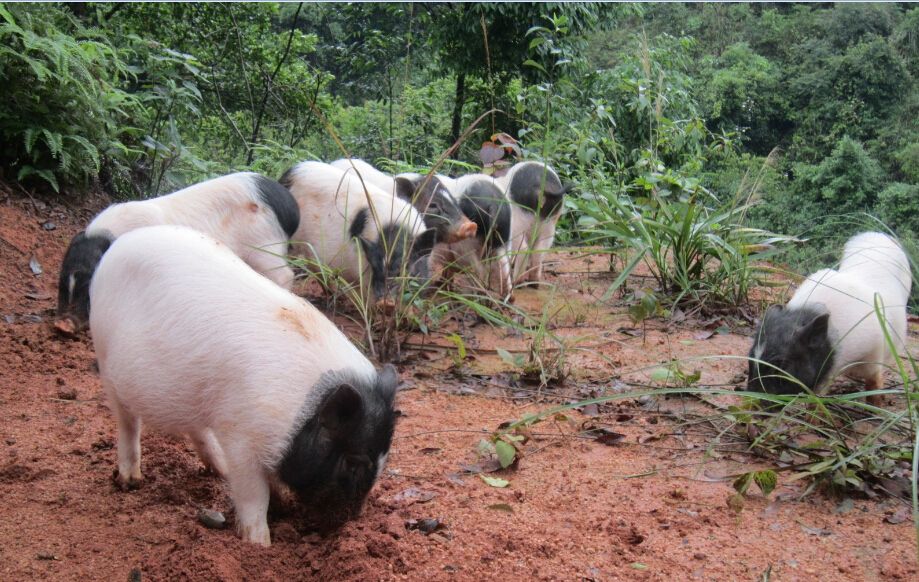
[250, 491]
[875, 382]
[500, 273]
[210, 452]
[129, 427]
[546, 238]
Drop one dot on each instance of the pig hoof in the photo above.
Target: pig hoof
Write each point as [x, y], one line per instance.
[257, 535]
[126, 484]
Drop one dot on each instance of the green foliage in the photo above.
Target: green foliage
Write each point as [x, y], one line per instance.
[64, 117]
[898, 207]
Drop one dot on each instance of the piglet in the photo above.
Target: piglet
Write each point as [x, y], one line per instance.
[536, 195]
[487, 253]
[371, 238]
[254, 215]
[427, 194]
[192, 341]
[830, 327]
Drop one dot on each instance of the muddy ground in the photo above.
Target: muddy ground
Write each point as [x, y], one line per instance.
[651, 507]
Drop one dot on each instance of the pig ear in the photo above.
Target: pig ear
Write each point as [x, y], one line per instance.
[815, 330]
[341, 409]
[387, 382]
[405, 189]
[567, 188]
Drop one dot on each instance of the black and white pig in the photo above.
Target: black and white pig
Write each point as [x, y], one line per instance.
[829, 327]
[427, 194]
[537, 201]
[336, 208]
[191, 341]
[254, 215]
[486, 253]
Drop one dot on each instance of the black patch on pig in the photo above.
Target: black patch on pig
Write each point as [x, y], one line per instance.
[287, 178]
[333, 458]
[526, 189]
[80, 262]
[281, 201]
[437, 206]
[483, 203]
[795, 341]
[393, 254]
[359, 223]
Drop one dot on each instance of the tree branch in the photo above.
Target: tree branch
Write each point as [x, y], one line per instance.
[270, 82]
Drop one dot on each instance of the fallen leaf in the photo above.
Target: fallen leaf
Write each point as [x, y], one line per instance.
[507, 454]
[590, 410]
[736, 502]
[845, 507]
[65, 327]
[815, 531]
[495, 481]
[501, 507]
[429, 450]
[486, 466]
[426, 525]
[411, 496]
[639, 566]
[35, 266]
[703, 335]
[647, 438]
[454, 478]
[490, 153]
[630, 331]
[37, 296]
[900, 516]
[609, 438]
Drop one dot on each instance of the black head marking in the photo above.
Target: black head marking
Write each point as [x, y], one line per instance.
[536, 187]
[80, 262]
[287, 178]
[795, 342]
[484, 204]
[334, 457]
[435, 203]
[359, 223]
[281, 201]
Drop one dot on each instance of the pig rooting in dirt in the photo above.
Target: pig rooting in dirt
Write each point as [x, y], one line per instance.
[437, 206]
[192, 341]
[838, 322]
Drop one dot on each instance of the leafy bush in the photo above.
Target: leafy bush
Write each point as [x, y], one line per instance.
[898, 207]
[63, 116]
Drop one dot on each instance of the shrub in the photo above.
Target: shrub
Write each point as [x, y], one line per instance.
[63, 116]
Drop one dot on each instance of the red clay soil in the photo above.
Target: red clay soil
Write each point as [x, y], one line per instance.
[573, 509]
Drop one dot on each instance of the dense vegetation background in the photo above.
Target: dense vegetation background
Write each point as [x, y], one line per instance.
[799, 119]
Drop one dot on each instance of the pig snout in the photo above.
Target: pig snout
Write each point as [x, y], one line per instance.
[463, 230]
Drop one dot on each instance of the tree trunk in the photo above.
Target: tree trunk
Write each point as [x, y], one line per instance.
[458, 109]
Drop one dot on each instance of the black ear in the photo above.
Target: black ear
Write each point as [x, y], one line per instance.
[815, 330]
[387, 382]
[405, 189]
[341, 409]
[567, 188]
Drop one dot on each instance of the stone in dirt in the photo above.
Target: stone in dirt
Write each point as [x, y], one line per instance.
[212, 519]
